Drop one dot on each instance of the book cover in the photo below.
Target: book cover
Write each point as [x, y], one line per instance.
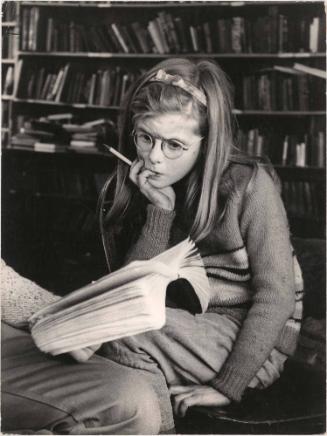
[126, 302]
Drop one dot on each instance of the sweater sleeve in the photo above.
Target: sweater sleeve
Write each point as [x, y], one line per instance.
[155, 234]
[265, 231]
[20, 297]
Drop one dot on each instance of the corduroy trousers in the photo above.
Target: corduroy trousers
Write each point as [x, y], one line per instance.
[65, 397]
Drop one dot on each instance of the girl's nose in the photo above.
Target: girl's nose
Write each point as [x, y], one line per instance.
[156, 155]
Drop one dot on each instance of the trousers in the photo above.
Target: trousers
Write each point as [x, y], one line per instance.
[189, 349]
[65, 397]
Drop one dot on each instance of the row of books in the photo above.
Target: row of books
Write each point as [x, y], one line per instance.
[9, 10]
[303, 199]
[8, 44]
[103, 87]
[289, 150]
[283, 88]
[166, 33]
[59, 132]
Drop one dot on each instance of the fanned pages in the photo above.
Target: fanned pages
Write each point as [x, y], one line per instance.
[126, 302]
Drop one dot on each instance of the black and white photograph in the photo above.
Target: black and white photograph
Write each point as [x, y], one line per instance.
[163, 217]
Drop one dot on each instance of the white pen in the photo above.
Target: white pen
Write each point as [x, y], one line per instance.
[119, 155]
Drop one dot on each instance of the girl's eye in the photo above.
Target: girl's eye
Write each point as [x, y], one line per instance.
[172, 145]
[144, 138]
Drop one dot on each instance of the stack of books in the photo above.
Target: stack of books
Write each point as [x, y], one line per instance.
[59, 132]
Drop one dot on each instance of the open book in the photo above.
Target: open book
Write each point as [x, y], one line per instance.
[126, 302]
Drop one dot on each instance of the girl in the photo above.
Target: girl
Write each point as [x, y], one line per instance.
[189, 179]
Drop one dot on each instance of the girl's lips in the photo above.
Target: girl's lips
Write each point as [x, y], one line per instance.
[155, 173]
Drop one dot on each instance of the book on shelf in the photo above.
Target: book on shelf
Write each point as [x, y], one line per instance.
[316, 72]
[49, 147]
[8, 85]
[126, 302]
[8, 44]
[141, 35]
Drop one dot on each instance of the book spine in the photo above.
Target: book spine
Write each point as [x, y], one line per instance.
[155, 36]
[194, 38]
[313, 35]
[207, 37]
[119, 37]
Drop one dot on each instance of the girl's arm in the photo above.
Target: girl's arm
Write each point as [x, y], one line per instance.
[265, 230]
[155, 234]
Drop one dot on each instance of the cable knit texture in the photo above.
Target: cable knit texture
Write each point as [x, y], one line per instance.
[249, 260]
[20, 297]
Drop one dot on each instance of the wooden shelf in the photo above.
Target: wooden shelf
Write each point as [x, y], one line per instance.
[135, 4]
[67, 152]
[7, 61]
[278, 113]
[8, 24]
[156, 4]
[106, 55]
[62, 104]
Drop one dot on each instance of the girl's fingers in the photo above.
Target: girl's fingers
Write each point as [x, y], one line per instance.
[180, 389]
[136, 167]
[180, 403]
[143, 179]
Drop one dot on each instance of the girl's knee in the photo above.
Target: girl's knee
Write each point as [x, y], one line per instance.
[143, 402]
[139, 403]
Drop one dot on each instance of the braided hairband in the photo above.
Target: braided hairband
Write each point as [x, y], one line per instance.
[178, 81]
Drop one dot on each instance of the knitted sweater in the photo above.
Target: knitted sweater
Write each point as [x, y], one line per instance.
[253, 272]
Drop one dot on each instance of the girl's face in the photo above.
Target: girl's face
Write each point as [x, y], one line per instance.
[182, 132]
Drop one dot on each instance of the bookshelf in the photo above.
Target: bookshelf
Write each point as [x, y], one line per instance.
[78, 58]
[9, 48]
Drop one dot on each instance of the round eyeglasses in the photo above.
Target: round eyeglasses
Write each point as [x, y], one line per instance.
[170, 148]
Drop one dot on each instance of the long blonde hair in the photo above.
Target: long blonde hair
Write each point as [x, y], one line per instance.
[201, 199]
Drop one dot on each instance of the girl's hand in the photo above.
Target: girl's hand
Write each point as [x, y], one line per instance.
[163, 198]
[84, 354]
[196, 395]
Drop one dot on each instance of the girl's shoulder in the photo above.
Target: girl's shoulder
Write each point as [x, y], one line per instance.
[244, 177]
